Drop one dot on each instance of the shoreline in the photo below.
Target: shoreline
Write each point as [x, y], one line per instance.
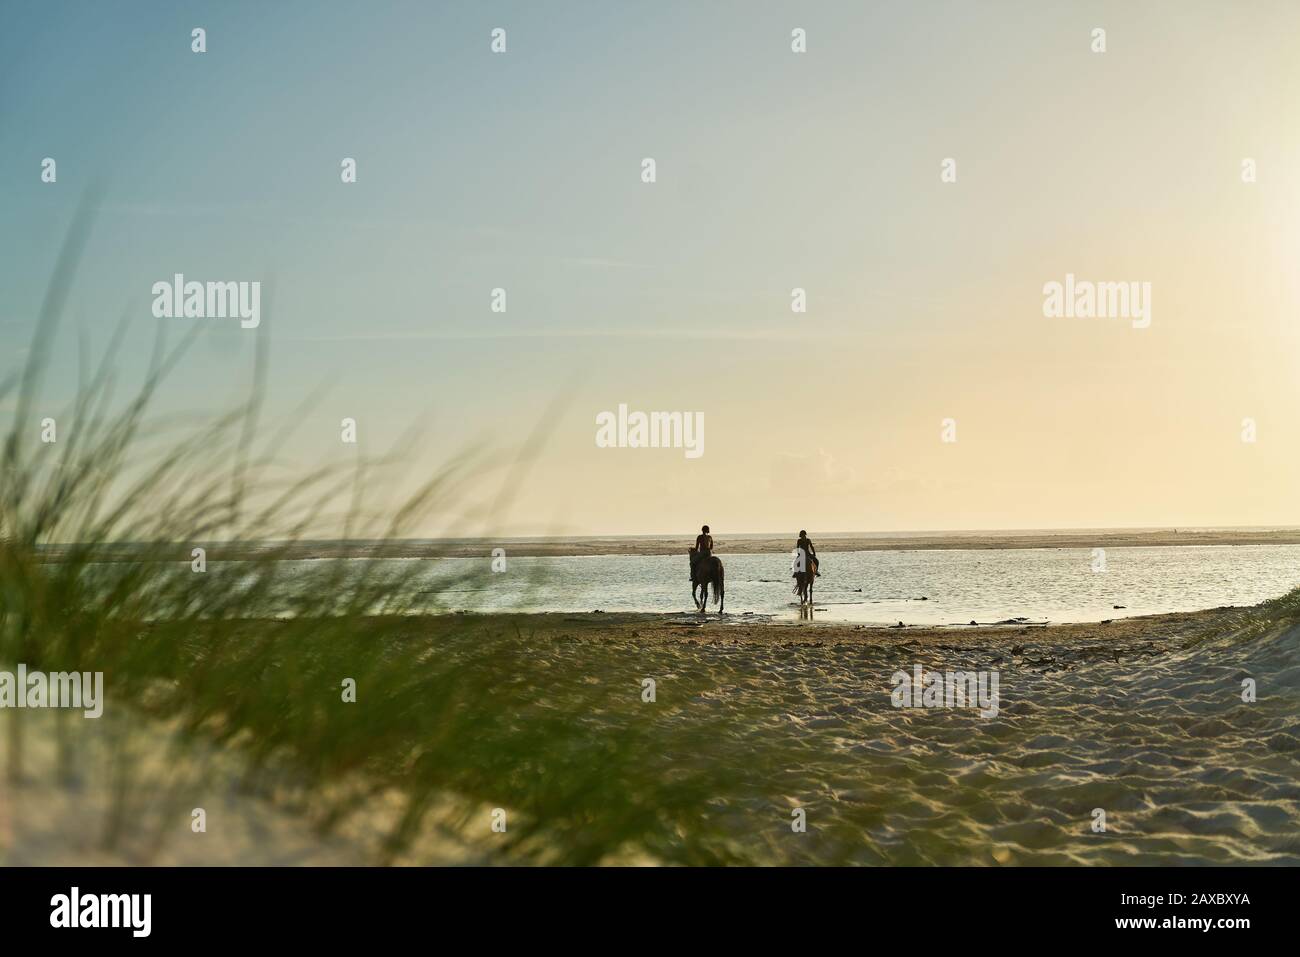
[649, 628]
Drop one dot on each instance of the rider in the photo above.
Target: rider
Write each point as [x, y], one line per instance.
[806, 544]
[703, 546]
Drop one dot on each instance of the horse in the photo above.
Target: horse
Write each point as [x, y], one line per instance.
[803, 581]
[706, 572]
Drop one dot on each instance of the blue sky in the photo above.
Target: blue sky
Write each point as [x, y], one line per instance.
[775, 170]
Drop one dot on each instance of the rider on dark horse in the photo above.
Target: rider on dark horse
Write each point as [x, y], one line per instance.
[703, 547]
[706, 572]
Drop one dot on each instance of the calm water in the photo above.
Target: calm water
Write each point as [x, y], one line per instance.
[888, 586]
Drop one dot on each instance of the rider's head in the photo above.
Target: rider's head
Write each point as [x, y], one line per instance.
[802, 533]
[705, 529]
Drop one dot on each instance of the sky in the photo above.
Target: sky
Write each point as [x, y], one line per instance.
[774, 170]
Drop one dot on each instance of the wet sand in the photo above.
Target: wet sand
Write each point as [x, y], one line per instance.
[1158, 631]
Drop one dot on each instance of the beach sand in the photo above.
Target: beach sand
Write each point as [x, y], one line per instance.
[1142, 718]
[1139, 718]
[1071, 639]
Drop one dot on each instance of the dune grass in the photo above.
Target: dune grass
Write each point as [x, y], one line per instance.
[252, 655]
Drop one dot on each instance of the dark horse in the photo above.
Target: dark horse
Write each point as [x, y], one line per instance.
[704, 573]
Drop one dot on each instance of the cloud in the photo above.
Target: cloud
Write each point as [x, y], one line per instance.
[821, 473]
[792, 334]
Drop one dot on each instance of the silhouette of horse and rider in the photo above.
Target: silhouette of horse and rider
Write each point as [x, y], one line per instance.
[805, 568]
[707, 570]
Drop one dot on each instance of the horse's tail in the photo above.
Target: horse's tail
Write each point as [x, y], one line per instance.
[719, 582]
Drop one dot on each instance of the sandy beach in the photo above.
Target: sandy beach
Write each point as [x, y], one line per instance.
[1142, 718]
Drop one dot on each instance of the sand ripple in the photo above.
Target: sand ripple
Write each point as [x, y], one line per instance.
[1185, 771]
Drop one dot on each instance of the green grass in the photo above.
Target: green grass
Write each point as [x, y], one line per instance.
[458, 716]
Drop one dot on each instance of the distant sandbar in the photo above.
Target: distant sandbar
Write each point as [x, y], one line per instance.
[724, 544]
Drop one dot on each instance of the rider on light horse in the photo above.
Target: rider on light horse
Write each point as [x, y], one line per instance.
[810, 552]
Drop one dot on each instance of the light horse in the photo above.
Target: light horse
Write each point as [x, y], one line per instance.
[803, 581]
[704, 573]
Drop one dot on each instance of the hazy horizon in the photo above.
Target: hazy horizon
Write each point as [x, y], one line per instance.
[688, 535]
[883, 532]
